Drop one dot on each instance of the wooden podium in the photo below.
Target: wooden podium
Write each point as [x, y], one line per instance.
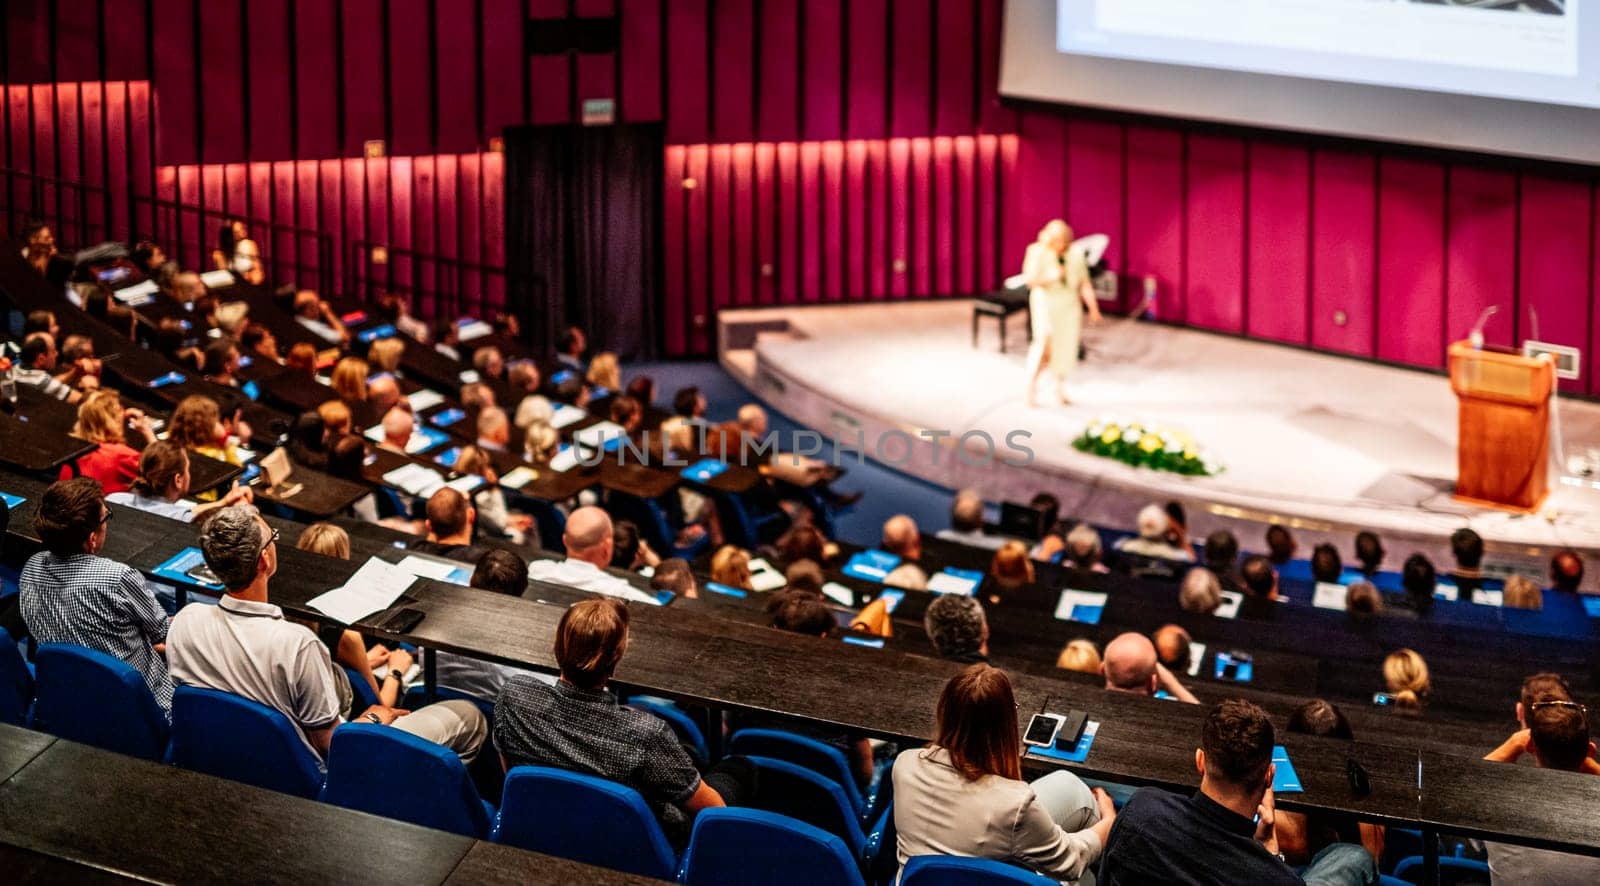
[1503, 450]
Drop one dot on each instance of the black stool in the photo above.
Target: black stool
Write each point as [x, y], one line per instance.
[1001, 304]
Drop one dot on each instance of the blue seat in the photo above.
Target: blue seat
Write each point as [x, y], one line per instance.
[1452, 871]
[90, 697]
[688, 731]
[819, 757]
[799, 793]
[547, 518]
[753, 847]
[16, 683]
[950, 870]
[365, 697]
[387, 772]
[230, 736]
[742, 525]
[584, 818]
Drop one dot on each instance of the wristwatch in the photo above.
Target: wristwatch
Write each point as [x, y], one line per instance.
[374, 718]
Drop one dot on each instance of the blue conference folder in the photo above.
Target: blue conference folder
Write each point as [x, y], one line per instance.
[717, 588]
[12, 500]
[1079, 752]
[1284, 779]
[183, 566]
[871, 565]
[1591, 604]
[704, 470]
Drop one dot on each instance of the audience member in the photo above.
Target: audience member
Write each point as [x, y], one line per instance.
[220, 363]
[489, 363]
[1301, 836]
[385, 354]
[449, 524]
[630, 550]
[197, 425]
[1467, 548]
[1369, 552]
[70, 594]
[957, 628]
[259, 342]
[901, 538]
[349, 380]
[317, 316]
[1009, 569]
[804, 541]
[690, 404]
[1083, 549]
[800, 612]
[1222, 555]
[730, 566]
[1130, 665]
[588, 540]
[1226, 833]
[1079, 655]
[804, 575]
[500, 572]
[1259, 582]
[541, 443]
[577, 724]
[1200, 591]
[604, 375]
[966, 522]
[476, 397]
[1566, 571]
[675, 575]
[36, 368]
[398, 428]
[1325, 564]
[570, 348]
[1280, 545]
[102, 421]
[494, 429]
[1521, 593]
[346, 646]
[523, 379]
[245, 646]
[383, 394]
[908, 576]
[1153, 541]
[532, 410]
[1557, 736]
[1405, 679]
[1418, 581]
[964, 794]
[495, 519]
[39, 245]
[162, 481]
[1172, 644]
[1362, 601]
[447, 339]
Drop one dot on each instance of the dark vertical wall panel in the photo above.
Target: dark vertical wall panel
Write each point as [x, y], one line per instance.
[1214, 251]
[778, 115]
[675, 292]
[1343, 216]
[176, 79]
[867, 100]
[316, 65]
[823, 68]
[456, 76]
[269, 125]
[77, 41]
[1553, 264]
[27, 40]
[695, 252]
[688, 108]
[640, 91]
[732, 59]
[363, 73]
[126, 56]
[912, 47]
[1481, 253]
[955, 73]
[222, 124]
[1154, 205]
[410, 99]
[1411, 217]
[502, 65]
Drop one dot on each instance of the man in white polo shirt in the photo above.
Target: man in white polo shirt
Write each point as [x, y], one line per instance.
[243, 645]
[589, 544]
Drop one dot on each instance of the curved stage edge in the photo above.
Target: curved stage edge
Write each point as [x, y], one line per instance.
[1325, 444]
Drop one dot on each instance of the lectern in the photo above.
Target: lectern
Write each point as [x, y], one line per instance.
[1503, 450]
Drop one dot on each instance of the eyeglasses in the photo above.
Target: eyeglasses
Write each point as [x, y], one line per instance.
[272, 539]
[1558, 703]
[107, 518]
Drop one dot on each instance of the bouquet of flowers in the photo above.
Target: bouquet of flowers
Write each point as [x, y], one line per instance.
[1146, 445]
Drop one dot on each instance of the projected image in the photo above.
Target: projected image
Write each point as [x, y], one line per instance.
[1540, 7]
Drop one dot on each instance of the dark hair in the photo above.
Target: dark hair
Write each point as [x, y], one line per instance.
[977, 724]
[38, 321]
[673, 574]
[1418, 578]
[444, 329]
[1325, 563]
[226, 243]
[954, 624]
[216, 356]
[1222, 552]
[252, 336]
[447, 512]
[346, 456]
[1362, 600]
[142, 252]
[804, 575]
[1545, 686]
[36, 345]
[1047, 504]
[1467, 546]
[159, 464]
[801, 612]
[1238, 739]
[642, 388]
[1560, 733]
[501, 571]
[803, 541]
[1369, 551]
[1258, 576]
[625, 409]
[1280, 544]
[1318, 717]
[1566, 570]
[624, 543]
[569, 389]
[69, 512]
[590, 641]
[685, 401]
[569, 337]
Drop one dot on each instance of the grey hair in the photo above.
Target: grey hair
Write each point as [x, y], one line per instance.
[232, 545]
[955, 624]
[1083, 545]
[1201, 591]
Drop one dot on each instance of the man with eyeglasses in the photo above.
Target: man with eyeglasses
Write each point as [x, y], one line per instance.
[70, 594]
[1556, 733]
[245, 646]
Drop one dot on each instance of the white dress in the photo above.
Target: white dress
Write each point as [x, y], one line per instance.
[1056, 307]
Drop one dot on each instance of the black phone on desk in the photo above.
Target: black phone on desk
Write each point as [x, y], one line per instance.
[401, 621]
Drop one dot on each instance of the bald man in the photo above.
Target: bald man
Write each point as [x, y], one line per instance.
[383, 394]
[1130, 665]
[900, 536]
[398, 426]
[588, 541]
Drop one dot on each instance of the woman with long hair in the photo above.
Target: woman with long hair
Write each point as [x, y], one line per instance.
[163, 482]
[1405, 677]
[1059, 295]
[103, 421]
[964, 794]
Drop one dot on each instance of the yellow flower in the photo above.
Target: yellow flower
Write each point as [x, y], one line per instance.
[1110, 436]
[1190, 454]
[1150, 443]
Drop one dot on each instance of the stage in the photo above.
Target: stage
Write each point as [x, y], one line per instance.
[1327, 444]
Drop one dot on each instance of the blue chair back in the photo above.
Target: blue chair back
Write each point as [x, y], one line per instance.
[584, 818]
[688, 732]
[547, 518]
[1452, 871]
[16, 683]
[87, 696]
[950, 870]
[230, 736]
[739, 525]
[387, 772]
[365, 697]
[799, 793]
[753, 847]
[819, 757]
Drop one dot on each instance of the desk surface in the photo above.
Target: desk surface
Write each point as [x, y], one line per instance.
[26, 446]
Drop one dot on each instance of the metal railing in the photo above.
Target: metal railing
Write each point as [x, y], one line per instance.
[189, 234]
[80, 214]
[438, 288]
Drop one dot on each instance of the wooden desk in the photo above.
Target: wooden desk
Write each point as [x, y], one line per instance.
[26, 446]
[321, 495]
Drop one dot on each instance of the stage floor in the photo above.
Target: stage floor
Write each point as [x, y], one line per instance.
[1327, 443]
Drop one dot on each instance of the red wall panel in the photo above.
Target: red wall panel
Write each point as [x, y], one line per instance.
[316, 65]
[77, 42]
[766, 214]
[222, 124]
[176, 79]
[1411, 214]
[1154, 205]
[695, 251]
[27, 40]
[675, 291]
[879, 221]
[410, 99]
[1278, 229]
[1556, 225]
[833, 225]
[858, 234]
[1343, 218]
[126, 56]
[268, 80]
[719, 224]
[640, 97]
[867, 101]
[688, 106]
[1043, 165]
[732, 58]
[788, 219]
[1095, 200]
[811, 248]
[362, 75]
[743, 266]
[822, 72]
[911, 87]
[955, 73]
[1480, 254]
[457, 56]
[943, 252]
[1214, 255]
[778, 117]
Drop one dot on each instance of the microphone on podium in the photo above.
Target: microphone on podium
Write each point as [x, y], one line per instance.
[1476, 336]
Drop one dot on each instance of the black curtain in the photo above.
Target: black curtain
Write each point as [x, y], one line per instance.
[583, 206]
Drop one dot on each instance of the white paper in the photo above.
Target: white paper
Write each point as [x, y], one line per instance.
[427, 567]
[414, 479]
[1329, 595]
[423, 400]
[838, 593]
[1442, 591]
[217, 279]
[1230, 605]
[1197, 654]
[1070, 599]
[945, 583]
[566, 414]
[595, 435]
[137, 294]
[466, 484]
[518, 477]
[475, 329]
[764, 577]
[374, 588]
[1488, 598]
[468, 376]
[565, 460]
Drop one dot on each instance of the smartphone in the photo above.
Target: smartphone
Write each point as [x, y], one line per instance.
[202, 573]
[1042, 730]
[401, 620]
[1360, 784]
[1383, 699]
[447, 417]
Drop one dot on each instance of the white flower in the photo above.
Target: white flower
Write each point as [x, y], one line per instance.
[1096, 429]
[1173, 447]
[1212, 468]
[1131, 435]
